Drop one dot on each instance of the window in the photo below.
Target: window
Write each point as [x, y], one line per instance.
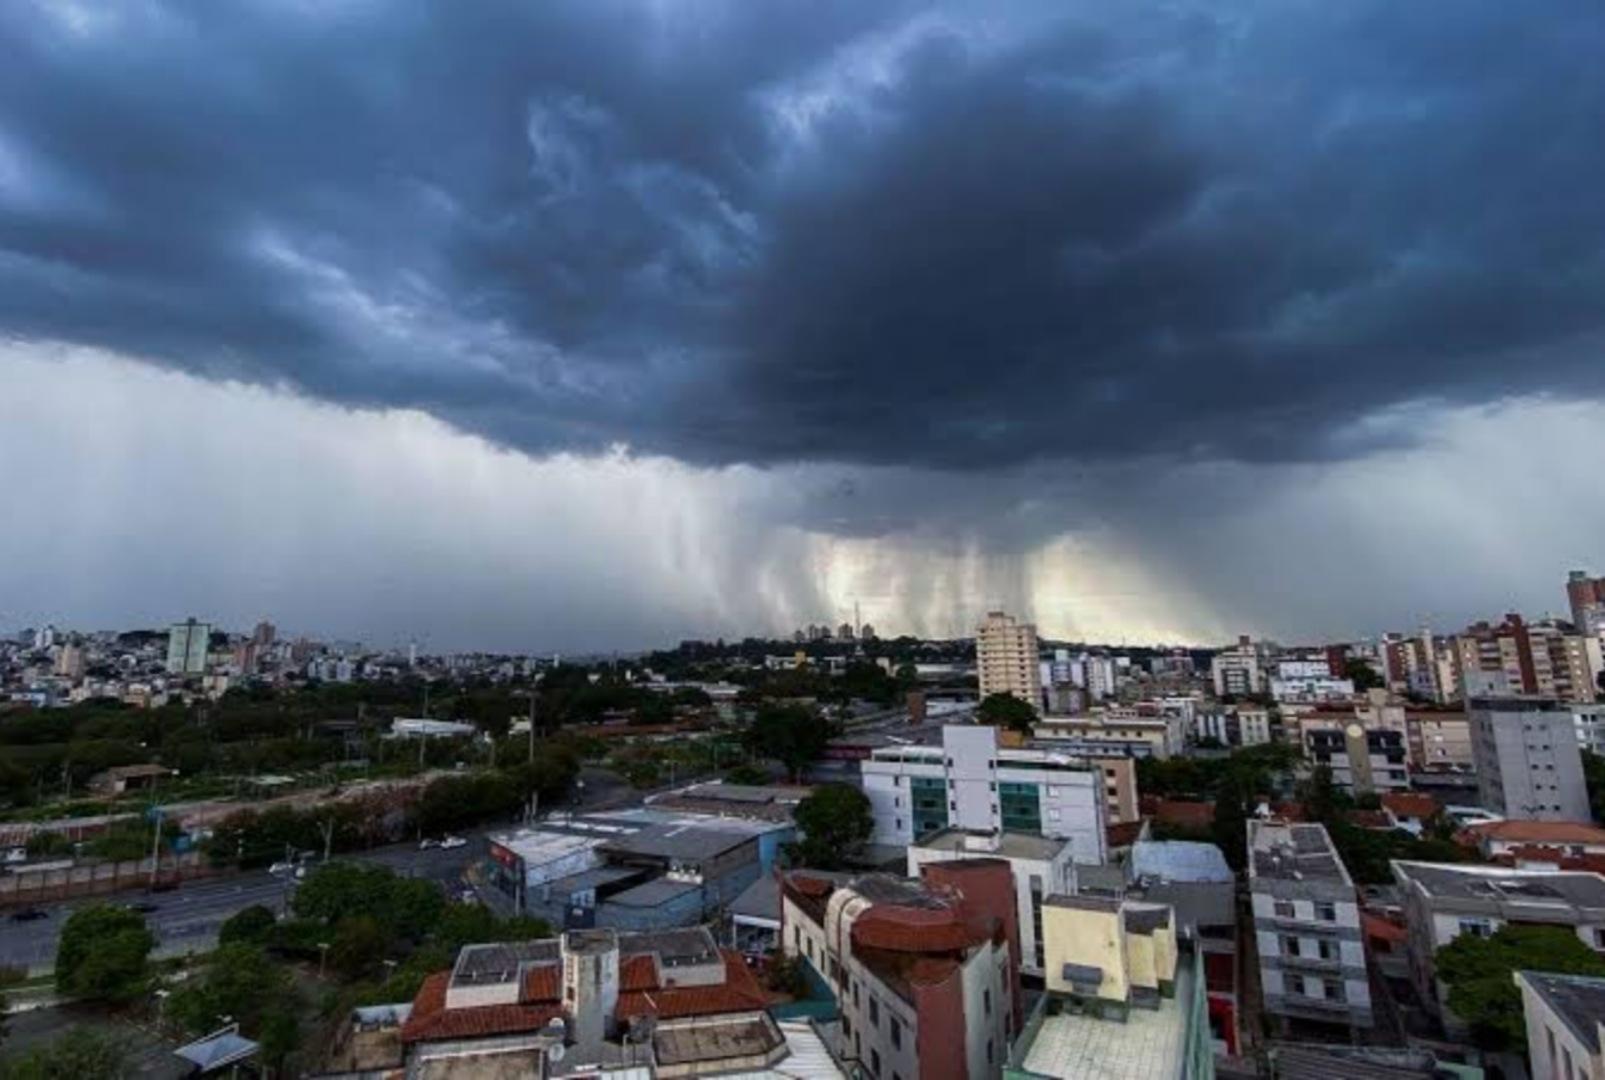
[847, 1025]
[989, 1051]
[986, 1002]
[897, 781]
[1284, 909]
[855, 995]
[1477, 927]
[1290, 946]
[875, 1061]
[897, 803]
[896, 1030]
[1326, 911]
[899, 824]
[874, 1010]
[1334, 990]
[1328, 950]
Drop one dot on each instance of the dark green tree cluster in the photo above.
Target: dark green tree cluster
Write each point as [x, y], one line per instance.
[241, 982]
[1365, 851]
[1479, 972]
[79, 1053]
[834, 822]
[103, 954]
[1007, 711]
[793, 735]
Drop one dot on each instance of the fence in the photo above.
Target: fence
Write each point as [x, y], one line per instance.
[98, 878]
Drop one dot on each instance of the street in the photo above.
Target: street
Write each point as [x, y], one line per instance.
[187, 919]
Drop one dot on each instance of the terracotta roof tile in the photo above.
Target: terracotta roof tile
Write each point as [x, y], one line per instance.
[1410, 804]
[541, 983]
[739, 992]
[1540, 832]
[431, 1020]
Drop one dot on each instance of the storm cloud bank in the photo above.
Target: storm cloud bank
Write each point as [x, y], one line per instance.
[966, 282]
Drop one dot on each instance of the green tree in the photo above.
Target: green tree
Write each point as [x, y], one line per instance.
[1362, 674]
[359, 944]
[834, 821]
[1007, 711]
[103, 953]
[1480, 975]
[789, 734]
[239, 981]
[79, 1053]
[407, 908]
[251, 926]
[1594, 777]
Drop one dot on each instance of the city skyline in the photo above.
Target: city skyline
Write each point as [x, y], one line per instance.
[590, 328]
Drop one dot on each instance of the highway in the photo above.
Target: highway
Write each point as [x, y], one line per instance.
[187, 919]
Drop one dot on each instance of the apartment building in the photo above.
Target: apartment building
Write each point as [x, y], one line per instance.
[1041, 867]
[1362, 761]
[1589, 722]
[1126, 734]
[1237, 671]
[1307, 927]
[1515, 657]
[926, 974]
[1565, 1016]
[1439, 739]
[969, 782]
[1527, 759]
[1253, 727]
[1443, 901]
[1006, 658]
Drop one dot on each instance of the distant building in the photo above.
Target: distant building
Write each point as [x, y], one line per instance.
[1362, 761]
[925, 973]
[70, 662]
[1253, 727]
[1516, 657]
[1589, 721]
[1236, 672]
[424, 728]
[970, 782]
[1131, 736]
[1527, 759]
[1587, 598]
[844, 632]
[1565, 1017]
[1307, 926]
[188, 643]
[1006, 658]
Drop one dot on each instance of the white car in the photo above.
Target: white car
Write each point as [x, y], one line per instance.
[281, 868]
[453, 842]
[428, 842]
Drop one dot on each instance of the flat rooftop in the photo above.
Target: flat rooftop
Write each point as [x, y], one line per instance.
[1283, 851]
[1504, 885]
[1578, 1000]
[1008, 844]
[1148, 1045]
[690, 841]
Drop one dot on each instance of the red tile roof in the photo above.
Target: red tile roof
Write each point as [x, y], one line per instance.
[540, 984]
[739, 992]
[1192, 815]
[1410, 804]
[638, 972]
[431, 1020]
[1384, 929]
[1539, 832]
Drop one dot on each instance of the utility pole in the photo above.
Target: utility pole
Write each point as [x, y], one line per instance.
[328, 838]
[156, 847]
[532, 723]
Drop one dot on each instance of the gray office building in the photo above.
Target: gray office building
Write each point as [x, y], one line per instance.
[1528, 763]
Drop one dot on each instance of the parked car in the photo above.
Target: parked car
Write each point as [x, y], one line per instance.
[29, 914]
[453, 842]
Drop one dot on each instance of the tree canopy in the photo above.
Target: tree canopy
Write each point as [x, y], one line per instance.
[103, 953]
[834, 821]
[1007, 711]
[790, 734]
[79, 1053]
[1479, 972]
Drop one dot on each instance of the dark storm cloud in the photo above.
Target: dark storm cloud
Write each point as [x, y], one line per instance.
[764, 232]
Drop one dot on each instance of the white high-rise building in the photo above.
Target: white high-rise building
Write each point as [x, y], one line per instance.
[1006, 658]
[187, 646]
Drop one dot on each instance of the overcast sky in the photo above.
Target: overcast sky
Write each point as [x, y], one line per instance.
[589, 326]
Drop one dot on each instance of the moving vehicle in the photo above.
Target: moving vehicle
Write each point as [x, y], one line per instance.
[29, 914]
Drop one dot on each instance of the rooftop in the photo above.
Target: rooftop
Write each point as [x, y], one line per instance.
[1150, 1043]
[1005, 845]
[1178, 860]
[1282, 851]
[1539, 832]
[1563, 889]
[1578, 1000]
